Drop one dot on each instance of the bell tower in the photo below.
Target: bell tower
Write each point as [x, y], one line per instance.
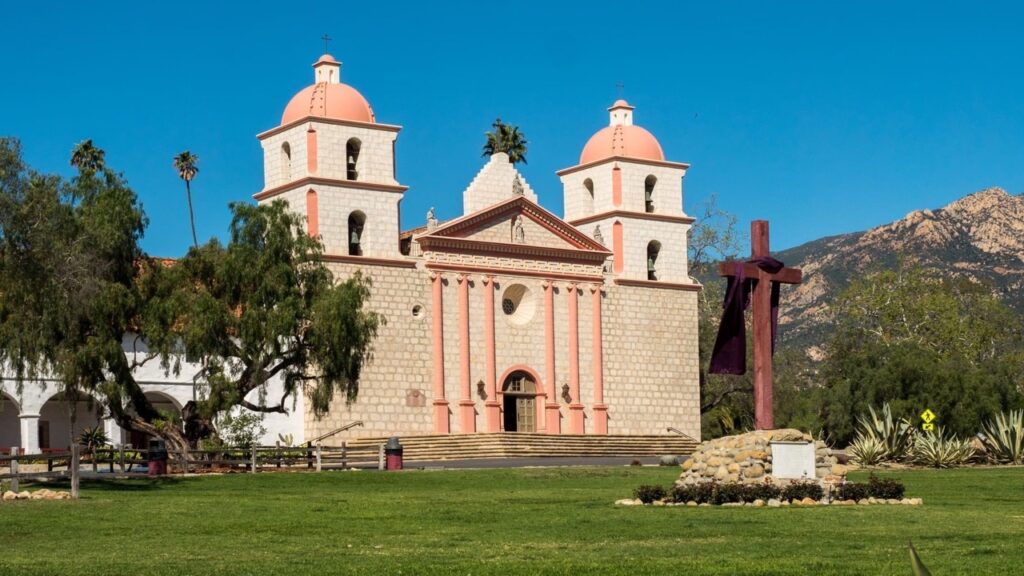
[333, 162]
[624, 194]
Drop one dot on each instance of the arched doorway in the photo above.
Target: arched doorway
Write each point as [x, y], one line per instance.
[10, 425]
[62, 421]
[164, 404]
[519, 393]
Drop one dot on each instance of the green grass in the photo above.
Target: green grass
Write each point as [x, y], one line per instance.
[524, 521]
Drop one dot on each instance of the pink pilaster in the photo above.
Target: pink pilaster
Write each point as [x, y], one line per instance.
[441, 423]
[617, 186]
[467, 410]
[575, 407]
[312, 213]
[552, 417]
[492, 406]
[311, 150]
[597, 367]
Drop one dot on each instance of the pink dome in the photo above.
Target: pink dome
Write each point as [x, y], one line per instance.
[326, 100]
[620, 140]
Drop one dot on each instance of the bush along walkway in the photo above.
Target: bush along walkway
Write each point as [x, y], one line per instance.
[767, 494]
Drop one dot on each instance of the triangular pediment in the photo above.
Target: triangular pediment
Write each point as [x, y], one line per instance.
[511, 223]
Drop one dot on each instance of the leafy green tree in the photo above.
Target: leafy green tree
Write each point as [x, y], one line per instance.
[78, 293]
[69, 259]
[262, 307]
[917, 341]
[187, 166]
[505, 138]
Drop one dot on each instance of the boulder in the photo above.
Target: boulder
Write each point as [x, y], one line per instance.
[10, 496]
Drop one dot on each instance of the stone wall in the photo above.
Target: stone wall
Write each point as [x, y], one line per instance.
[651, 362]
[747, 458]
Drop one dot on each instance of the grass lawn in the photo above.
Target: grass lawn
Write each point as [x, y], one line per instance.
[522, 521]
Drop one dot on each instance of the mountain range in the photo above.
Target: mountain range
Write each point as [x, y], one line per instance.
[980, 237]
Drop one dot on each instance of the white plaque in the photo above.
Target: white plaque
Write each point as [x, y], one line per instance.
[793, 460]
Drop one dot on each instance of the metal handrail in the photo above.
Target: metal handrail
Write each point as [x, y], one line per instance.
[338, 431]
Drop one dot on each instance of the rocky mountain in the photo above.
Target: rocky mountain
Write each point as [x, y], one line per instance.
[980, 236]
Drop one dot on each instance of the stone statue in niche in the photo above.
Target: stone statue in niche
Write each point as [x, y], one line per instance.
[517, 186]
[431, 219]
[598, 237]
[518, 234]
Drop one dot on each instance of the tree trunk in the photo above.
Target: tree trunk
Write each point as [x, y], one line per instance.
[191, 216]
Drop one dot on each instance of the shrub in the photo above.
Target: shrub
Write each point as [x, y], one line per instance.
[867, 450]
[937, 450]
[243, 430]
[702, 493]
[803, 489]
[896, 436]
[1003, 437]
[885, 488]
[648, 493]
[853, 491]
[764, 491]
[729, 492]
[715, 493]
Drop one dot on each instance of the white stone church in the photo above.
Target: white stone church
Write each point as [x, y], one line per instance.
[507, 318]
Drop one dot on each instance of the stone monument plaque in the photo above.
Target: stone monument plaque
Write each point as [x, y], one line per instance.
[793, 460]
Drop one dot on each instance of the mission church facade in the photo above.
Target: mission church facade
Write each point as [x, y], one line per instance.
[507, 318]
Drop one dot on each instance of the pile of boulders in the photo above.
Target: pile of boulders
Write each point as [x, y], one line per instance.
[43, 494]
[747, 459]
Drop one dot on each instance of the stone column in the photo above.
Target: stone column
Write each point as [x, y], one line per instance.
[29, 433]
[467, 409]
[597, 367]
[552, 416]
[492, 406]
[114, 432]
[575, 407]
[441, 422]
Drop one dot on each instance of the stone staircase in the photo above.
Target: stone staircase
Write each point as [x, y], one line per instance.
[526, 445]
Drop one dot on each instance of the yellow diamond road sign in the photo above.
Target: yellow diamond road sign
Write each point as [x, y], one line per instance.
[927, 416]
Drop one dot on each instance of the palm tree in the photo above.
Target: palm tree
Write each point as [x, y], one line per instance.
[508, 139]
[87, 157]
[187, 165]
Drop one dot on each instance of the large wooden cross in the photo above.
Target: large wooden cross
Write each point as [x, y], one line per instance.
[763, 416]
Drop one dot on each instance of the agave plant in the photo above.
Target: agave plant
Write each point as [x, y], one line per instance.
[1003, 437]
[867, 450]
[93, 438]
[896, 435]
[940, 451]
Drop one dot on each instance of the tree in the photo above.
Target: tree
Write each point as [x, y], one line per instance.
[77, 286]
[916, 341]
[87, 157]
[187, 165]
[262, 307]
[69, 260]
[505, 138]
[726, 401]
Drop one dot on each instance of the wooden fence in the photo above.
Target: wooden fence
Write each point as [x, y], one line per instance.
[125, 461]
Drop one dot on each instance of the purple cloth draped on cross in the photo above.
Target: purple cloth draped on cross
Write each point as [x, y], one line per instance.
[730, 352]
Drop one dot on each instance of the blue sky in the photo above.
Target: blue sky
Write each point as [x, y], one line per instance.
[823, 117]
